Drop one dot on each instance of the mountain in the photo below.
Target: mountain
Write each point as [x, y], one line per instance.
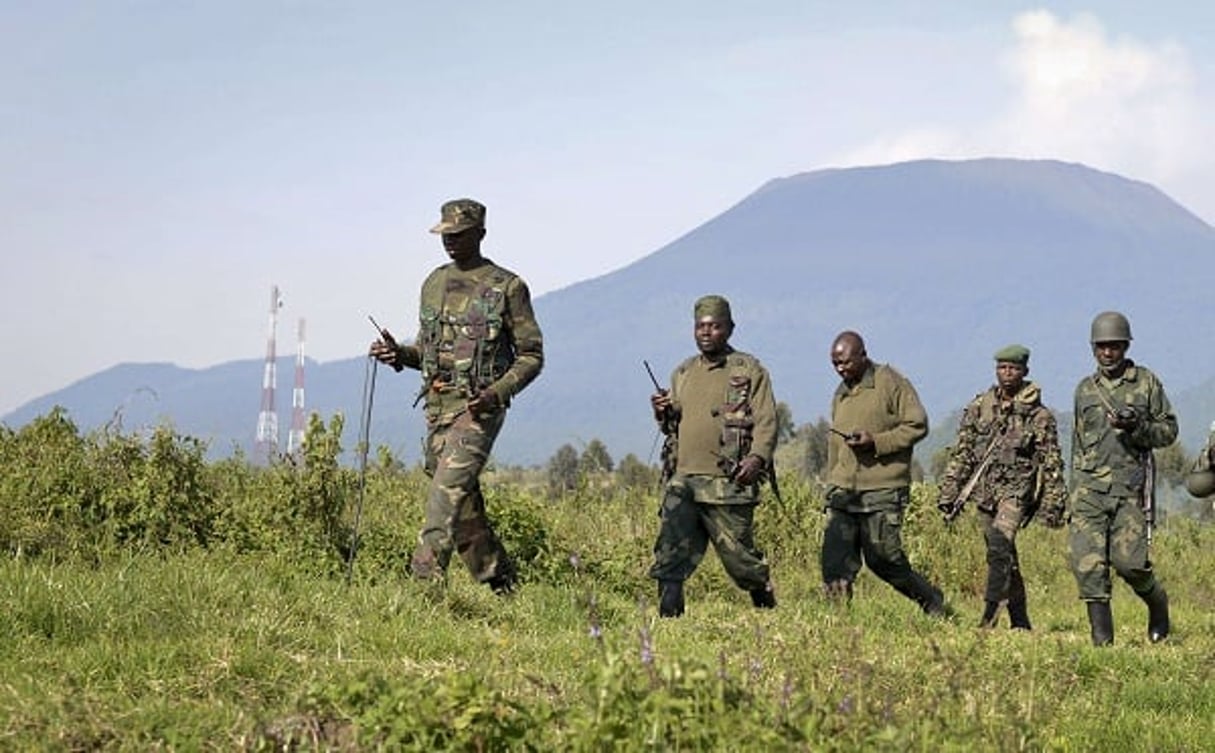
[936, 263]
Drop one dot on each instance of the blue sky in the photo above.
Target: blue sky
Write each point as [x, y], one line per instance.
[162, 164]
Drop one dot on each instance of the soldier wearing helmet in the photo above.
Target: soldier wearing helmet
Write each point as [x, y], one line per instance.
[1200, 481]
[1121, 415]
[478, 345]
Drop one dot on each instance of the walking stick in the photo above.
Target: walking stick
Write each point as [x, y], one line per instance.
[364, 441]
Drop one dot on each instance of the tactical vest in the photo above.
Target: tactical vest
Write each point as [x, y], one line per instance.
[1011, 428]
[462, 340]
[734, 415]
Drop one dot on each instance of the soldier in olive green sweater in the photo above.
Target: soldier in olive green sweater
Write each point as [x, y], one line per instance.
[721, 418]
[876, 419]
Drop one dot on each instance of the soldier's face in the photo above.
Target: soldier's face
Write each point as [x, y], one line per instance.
[712, 334]
[1111, 354]
[849, 361]
[1010, 376]
[464, 245]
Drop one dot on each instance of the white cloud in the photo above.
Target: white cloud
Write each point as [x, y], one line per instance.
[1078, 94]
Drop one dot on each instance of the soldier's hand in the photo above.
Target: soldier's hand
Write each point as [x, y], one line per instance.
[948, 508]
[1054, 517]
[859, 440]
[486, 401]
[1126, 419]
[749, 470]
[660, 402]
[384, 352]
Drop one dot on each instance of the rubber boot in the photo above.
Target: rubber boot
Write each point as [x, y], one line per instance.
[1158, 613]
[1018, 616]
[991, 611]
[764, 598]
[505, 580]
[670, 598]
[1102, 621]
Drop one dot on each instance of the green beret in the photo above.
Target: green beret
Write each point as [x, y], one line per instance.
[712, 306]
[1013, 354]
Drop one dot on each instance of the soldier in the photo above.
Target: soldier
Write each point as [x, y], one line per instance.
[478, 345]
[1200, 481]
[876, 419]
[721, 415]
[1006, 459]
[1121, 415]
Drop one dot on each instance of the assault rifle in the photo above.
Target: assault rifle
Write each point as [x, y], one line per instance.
[953, 509]
[1147, 498]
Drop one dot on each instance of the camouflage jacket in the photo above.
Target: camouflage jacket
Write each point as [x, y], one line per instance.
[725, 412]
[1110, 460]
[1023, 439]
[477, 330]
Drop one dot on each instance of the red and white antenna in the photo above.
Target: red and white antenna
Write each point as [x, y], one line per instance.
[267, 419]
[295, 438]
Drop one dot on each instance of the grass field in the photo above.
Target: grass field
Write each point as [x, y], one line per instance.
[236, 646]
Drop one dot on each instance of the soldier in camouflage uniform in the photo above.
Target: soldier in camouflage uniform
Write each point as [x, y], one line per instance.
[478, 345]
[721, 416]
[1121, 415]
[1007, 458]
[876, 419]
[1200, 480]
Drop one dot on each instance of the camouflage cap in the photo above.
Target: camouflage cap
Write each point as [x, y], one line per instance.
[1018, 354]
[713, 306]
[458, 215]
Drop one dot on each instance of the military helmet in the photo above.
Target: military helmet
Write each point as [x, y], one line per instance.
[1110, 326]
[1200, 483]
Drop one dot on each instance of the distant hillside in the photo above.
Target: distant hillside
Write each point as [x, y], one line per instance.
[937, 263]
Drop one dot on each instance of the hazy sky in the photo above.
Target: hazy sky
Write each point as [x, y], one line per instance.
[162, 163]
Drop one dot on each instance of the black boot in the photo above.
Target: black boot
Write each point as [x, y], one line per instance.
[1158, 613]
[1018, 616]
[1102, 621]
[764, 598]
[990, 613]
[670, 598]
[504, 581]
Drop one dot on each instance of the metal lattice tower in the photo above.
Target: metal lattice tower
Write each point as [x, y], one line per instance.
[295, 438]
[267, 419]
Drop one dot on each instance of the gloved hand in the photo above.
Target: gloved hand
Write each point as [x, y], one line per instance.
[749, 470]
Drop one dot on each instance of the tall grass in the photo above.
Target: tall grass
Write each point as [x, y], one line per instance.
[247, 637]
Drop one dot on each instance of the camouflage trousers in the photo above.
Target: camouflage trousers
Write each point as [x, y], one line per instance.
[874, 536]
[1108, 531]
[689, 525]
[1000, 526]
[455, 455]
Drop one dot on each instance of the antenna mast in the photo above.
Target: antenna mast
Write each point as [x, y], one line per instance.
[267, 418]
[295, 438]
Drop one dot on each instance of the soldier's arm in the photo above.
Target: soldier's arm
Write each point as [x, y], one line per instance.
[962, 459]
[911, 418]
[1049, 461]
[523, 328]
[1159, 427]
[763, 413]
